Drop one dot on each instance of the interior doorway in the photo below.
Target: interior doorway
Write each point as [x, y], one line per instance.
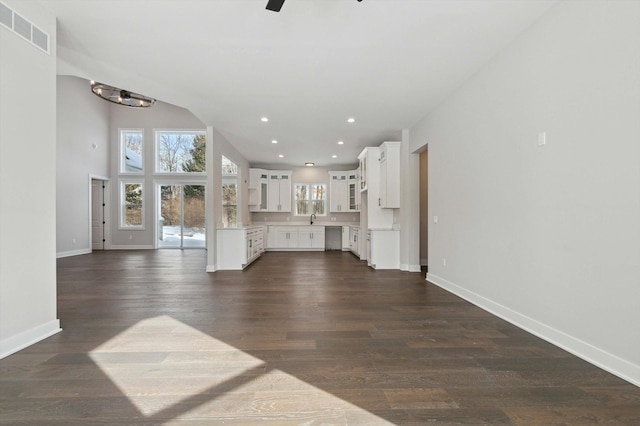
[99, 213]
[181, 216]
[424, 207]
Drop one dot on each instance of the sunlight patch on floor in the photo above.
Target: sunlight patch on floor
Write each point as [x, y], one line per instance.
[168, 369]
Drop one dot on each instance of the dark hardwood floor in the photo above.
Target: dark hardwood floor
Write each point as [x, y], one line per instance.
[297, 338]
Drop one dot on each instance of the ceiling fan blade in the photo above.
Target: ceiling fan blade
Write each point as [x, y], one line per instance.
[275, 5]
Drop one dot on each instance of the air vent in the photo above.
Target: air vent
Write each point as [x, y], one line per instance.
[24, 28]
[6, 16]
[40, 39]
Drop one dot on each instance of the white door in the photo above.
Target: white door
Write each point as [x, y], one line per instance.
[97, 215]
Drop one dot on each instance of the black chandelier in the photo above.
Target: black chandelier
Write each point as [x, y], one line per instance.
[120, 96]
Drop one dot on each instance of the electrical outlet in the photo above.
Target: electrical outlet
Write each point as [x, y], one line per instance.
[435, 219]
[130, 236]
[73, 241]
[542, 138]
[444, 261]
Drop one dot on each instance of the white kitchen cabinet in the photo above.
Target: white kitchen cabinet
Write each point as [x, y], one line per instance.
[390, 175]
[372, 215]
[355, 240]
[286, 237]
[346, 238]
[353, 191]
[258, 190]
[383, 247]
[363, 159]
[293, 237]
[338, 192]
[279, 191]
[311, 237]
[238, 247]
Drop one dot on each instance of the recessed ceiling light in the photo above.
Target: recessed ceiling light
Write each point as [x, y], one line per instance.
[351, 120]
[274, 141]
[264, 119]
[340, 143]
[281, 156]
[309, 164]
[334, 156]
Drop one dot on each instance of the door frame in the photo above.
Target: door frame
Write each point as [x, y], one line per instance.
[106, 229]
[157, 209]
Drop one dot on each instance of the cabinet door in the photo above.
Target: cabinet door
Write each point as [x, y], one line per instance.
[338, 197]
[353, 199]
[317, 238]
[273, 193]
[284, 189]
[304, 238]
[382, 202]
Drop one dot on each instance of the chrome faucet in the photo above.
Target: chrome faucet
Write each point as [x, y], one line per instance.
[313, 217]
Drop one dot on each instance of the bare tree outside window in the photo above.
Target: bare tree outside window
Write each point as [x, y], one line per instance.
[229, 193]
[181, 152]
[310, 198]
[132, 205]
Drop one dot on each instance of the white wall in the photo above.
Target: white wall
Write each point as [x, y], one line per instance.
[27, 185]
[83, 121]
[548, 237]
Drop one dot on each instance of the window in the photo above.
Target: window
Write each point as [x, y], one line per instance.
[229, 193]
[180, 152]
[131, 147]
[132, 205]
[310, 198]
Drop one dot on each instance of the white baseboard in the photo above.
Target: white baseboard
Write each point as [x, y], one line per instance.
[140, 247]
[594, 355]
[72, 253]
[20, 341]
[211, 268]
[409, 268]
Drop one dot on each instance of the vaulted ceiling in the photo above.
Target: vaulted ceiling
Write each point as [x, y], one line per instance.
[308, 68]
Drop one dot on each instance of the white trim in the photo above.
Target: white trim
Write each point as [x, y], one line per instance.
[594, 355]
[17, 342]
[211, 268]
[73, 253]
[132, 247]
[409, 268]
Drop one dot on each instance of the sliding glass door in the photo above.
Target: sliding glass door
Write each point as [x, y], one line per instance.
[181, 221]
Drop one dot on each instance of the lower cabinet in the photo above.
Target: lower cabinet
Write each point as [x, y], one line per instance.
[383, 248]
[346, 238]
[288, 237]
[354, 240]
[237, 247]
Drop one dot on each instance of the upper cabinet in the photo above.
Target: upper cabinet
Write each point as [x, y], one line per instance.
[344, 192]
[353, 190]
[338, 192]
[390, 175]
[258, 190]
[279, 191]
[363, 158]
